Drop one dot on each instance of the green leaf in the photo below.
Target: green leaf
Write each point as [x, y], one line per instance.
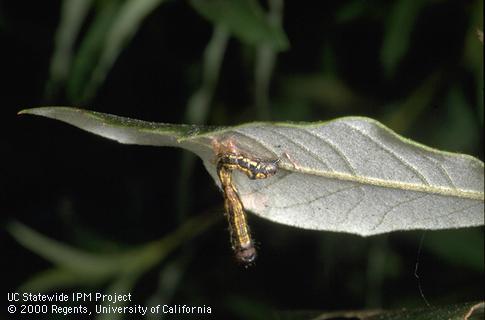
[403, 114]
[350, 174]
[87, 56]
[463, 248]
[265, 62]
[351, 10]
[128, 20]
[169, 281]
[63, 255]
[246, 308]
[112, 29]
[245, 19]
[465, 311]
[327, 91]
[473, 52]
[75, 265]
[73, 14]
[458, 128]
[199, 103]
[398, 33]
[123, 284]
[58, 278]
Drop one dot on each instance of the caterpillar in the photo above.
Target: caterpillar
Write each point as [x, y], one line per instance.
[241, 241]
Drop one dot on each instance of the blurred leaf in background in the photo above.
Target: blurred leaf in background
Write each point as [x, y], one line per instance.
[78, 268]
[113, 26]
[245, 19]
[398, 28]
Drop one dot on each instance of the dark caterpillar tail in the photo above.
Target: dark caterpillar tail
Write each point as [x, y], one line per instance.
[246, 256]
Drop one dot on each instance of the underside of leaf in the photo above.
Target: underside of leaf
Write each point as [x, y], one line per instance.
[350, 174]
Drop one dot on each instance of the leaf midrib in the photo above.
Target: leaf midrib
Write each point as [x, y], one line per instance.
[430, 189]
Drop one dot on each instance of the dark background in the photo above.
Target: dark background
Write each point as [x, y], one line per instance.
[103, 197]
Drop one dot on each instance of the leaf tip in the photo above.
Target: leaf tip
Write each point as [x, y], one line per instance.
[35, 111]
[45, 111]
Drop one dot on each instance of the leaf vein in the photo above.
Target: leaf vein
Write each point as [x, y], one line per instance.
[392, 208]
[390, 152]
[317, 198]
[301, 146]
